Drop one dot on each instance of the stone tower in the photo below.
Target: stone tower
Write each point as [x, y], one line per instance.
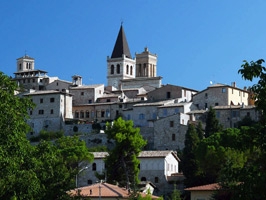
[27, 76]
[146, 64]
[121, 65]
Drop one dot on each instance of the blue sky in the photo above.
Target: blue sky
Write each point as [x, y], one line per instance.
[197, 41]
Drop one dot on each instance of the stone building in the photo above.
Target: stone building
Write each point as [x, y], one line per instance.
[52, 108]
[229, 116]
[221, 95]
[159, 167]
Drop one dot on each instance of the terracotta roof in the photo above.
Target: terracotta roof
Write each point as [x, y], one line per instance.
[209, 187]
[121, 45]
[106, 190]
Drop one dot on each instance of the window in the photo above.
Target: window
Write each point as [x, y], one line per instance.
[108, 100]
[128, 117]
[127, 69]
[143, 179]
[107, 113]
[90, 101]
[51, 100]
[185, 93]
[216, 104]
[165, 112]
[87, 114]
[33, 80]
[141, 116]
[81, 114]
[102, 113]
[76, 114]
[118, 69]
[206, 95]
[218, 114]
[112, 69]
[176, 110]
[235, 113]
[20, 66]
[94, 167]
[171, 123]
[51, 111]
[89, 182]
[131, 70]
[156, 179]
[41, 100]
[41, 112]
[168, 95]
[173, 137]
[248, 114]
[82, 93]
[223, 90]
[30, 112]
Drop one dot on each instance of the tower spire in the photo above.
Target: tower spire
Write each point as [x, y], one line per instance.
[121, 46]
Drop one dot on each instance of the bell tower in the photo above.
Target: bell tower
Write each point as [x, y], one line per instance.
[146, 64]
[25, 63]
[121, 65]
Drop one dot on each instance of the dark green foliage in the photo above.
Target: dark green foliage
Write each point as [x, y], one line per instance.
[200, 130]
[190, 164]
[47, 135]
[122, 162]
[212, 123]
[98, 149]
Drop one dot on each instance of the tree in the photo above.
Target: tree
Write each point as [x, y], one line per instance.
[16, 162]
[212, 123]
[122, 163]
[189, 163]
[252, 176]
[58, 165]
[45, 171]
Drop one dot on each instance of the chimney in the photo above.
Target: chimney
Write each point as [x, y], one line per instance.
[233, 84]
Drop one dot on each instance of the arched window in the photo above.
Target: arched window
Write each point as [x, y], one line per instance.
[76, 114]
[94, 167]
[118, 69]
[131, 70]
[143, 179]
[127, 69]
[112, 69]
[81, 114]
[87, 114]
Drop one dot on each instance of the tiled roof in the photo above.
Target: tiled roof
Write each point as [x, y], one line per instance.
[143, 154]
[105, 190]
[41, 92]
[86, 86]
[208, 187]
[99, 154]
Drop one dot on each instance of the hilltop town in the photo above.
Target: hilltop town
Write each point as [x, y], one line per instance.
[134, 92]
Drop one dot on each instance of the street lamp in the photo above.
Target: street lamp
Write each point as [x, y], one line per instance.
[79, 173]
